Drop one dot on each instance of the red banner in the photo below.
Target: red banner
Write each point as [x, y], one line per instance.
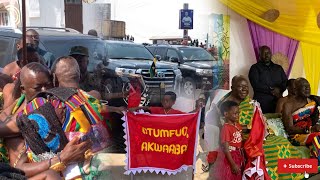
[161, 143]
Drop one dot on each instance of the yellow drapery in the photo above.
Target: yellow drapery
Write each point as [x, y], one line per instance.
[297, 20]
[311, 58]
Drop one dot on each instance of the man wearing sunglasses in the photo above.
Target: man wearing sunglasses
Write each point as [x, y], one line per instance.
[47, 56]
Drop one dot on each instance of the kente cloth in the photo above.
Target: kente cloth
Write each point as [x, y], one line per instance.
[304, 118]
[41, 128]
[278, 147]
[3, 150]
[79, 106]
[79, 113]
[246, 110]
[275, 147]
[221, 169]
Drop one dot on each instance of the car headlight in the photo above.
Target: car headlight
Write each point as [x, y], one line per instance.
[124, 71]
[204, 72]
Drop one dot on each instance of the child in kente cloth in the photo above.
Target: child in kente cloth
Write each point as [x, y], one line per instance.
[230, 161]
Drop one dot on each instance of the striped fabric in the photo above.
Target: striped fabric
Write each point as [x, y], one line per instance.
[74, 115]
[275, 147]
[3, 152]
[278, 147]
[18, 104]
[246, 112]
[33, 105]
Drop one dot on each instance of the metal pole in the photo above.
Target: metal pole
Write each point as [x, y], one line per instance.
[185, 31]
[24, 49]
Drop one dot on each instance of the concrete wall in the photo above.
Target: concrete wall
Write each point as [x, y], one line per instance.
[241, 49]
[93, 15]
[51, 14]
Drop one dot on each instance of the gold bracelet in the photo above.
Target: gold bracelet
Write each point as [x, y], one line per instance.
[58, 167]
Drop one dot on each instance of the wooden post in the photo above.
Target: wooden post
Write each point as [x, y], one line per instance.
[24, 49]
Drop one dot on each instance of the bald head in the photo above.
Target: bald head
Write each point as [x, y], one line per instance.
[236, 79]
[239, 87]
[34, 78]
[66, 69]
[302, 87]
[92, 32]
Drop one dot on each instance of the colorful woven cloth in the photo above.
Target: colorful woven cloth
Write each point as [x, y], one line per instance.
[275, 147]
[246, 112]
[303, 118]
[278, 147]
[78, 107]
[3, 152]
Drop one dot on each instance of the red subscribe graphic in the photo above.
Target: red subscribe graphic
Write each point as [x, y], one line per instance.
[297, 165]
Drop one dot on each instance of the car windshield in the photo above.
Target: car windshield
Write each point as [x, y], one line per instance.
[62, 47]
[196, 54]
[128, 51]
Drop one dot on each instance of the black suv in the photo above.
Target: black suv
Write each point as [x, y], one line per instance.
[56, 40]
[117, 59]
[196, 65]
[127, 58]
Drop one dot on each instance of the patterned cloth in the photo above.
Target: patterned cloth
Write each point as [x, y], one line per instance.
[278, 147]
[302, 118]
[275, 147]
[82, 118]
[246, 112]
[3, 150]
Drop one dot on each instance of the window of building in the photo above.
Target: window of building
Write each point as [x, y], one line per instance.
[4, 18]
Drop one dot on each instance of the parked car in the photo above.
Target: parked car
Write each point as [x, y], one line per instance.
[118, 59]
[196, 65]
[128, 58]
[55, 40]
[8, 41]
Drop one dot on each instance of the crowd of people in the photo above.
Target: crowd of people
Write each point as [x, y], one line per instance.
[48, 122]
[231, 119]
[52, 117]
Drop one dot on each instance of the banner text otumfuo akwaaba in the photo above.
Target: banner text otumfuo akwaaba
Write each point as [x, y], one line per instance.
[176, 149]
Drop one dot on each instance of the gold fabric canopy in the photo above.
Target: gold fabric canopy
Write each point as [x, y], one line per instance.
[297, 20]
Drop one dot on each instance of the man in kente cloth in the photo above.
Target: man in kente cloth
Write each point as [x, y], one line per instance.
[34, 78]
[275, 147]
[79, 114]
[301, 117]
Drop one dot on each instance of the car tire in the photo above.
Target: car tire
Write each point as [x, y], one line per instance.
[188, 87]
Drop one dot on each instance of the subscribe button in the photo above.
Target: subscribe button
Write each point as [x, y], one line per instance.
[297, 165]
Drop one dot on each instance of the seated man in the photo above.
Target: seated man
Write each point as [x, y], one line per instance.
[34, 78]
[11, 91]
[275, 147]
[12, 69]
[301, 115]
[283, 100]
